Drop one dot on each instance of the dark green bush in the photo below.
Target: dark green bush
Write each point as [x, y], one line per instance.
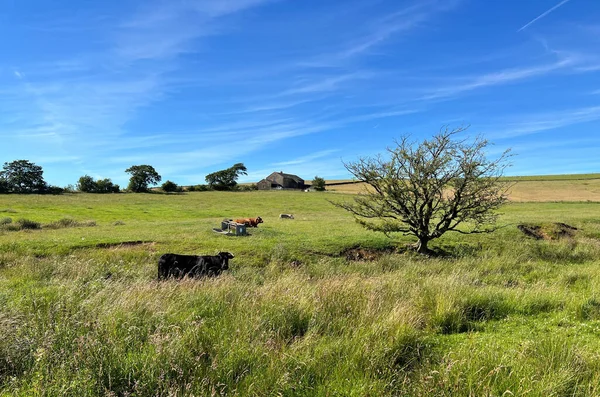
[170, 187]
[51, 189]
[199, 188]
[24, 224]
[318, 184]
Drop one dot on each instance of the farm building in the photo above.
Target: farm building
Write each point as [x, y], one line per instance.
[279, 180]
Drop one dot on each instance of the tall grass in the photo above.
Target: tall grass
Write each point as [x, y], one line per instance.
[82, 315]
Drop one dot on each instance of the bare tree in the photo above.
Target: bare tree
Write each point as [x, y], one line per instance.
[426, 190]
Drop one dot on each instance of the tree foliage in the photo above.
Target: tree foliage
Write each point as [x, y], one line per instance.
[226, 179]
[170, 187]
[4, 188]
[426, 190]
[318, 184]
[106, 186]
[141, 177]
[87, 184]
[22, 176]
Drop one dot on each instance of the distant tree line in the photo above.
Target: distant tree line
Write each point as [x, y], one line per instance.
[25, 177]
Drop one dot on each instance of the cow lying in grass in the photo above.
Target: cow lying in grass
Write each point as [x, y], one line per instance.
[250, 222]
[179, 266]
[286, 216]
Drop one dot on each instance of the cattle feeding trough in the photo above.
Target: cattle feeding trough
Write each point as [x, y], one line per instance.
[231, 228]
[237, 227]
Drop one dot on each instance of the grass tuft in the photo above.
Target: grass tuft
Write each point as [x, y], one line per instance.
[69, 222]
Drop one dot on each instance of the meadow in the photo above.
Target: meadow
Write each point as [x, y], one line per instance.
[315, 306]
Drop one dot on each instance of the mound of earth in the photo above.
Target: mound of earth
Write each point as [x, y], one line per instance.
[548, 231]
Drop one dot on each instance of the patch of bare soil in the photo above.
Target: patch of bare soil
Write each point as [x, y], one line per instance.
[127, 245]
[548, 231]
[360, 254]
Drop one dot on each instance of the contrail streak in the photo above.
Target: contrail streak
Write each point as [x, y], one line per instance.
[544, 14]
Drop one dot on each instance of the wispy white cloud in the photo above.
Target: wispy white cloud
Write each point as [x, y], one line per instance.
[506, 76]
[525, 148]
[278, 105]
[163, 85]
[383, 29]
[82, 104]
[533, 124]
[542, 15]
[308, 158]
[402, 21]
[380, 115]
[589, 68]
[380, 30]
[167, 29]
[324, 85]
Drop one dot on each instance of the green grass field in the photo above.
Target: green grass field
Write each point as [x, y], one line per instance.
[81, 312]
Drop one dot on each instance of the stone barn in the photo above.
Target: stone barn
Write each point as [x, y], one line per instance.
[279, 180]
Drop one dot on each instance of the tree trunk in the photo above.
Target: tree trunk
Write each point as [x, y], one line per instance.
[422, 245]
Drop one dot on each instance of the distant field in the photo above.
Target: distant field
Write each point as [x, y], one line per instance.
[548, 188]
[315, 306]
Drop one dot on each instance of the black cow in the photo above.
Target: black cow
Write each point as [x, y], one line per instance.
[178, 266]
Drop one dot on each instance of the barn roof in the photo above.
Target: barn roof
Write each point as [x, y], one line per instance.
[291, 176]
[295, 178]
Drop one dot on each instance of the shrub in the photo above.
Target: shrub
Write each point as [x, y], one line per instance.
[54, 190]
[69, 189]
[318, 184]
[248, 188]
[24, 224]
[170, 187]
[199, 188]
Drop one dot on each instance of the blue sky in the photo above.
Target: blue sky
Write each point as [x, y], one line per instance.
[194, 86]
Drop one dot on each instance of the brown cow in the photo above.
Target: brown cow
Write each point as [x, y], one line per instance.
[251, 222]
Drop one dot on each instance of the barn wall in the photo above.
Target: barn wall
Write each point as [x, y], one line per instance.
[264, 185]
